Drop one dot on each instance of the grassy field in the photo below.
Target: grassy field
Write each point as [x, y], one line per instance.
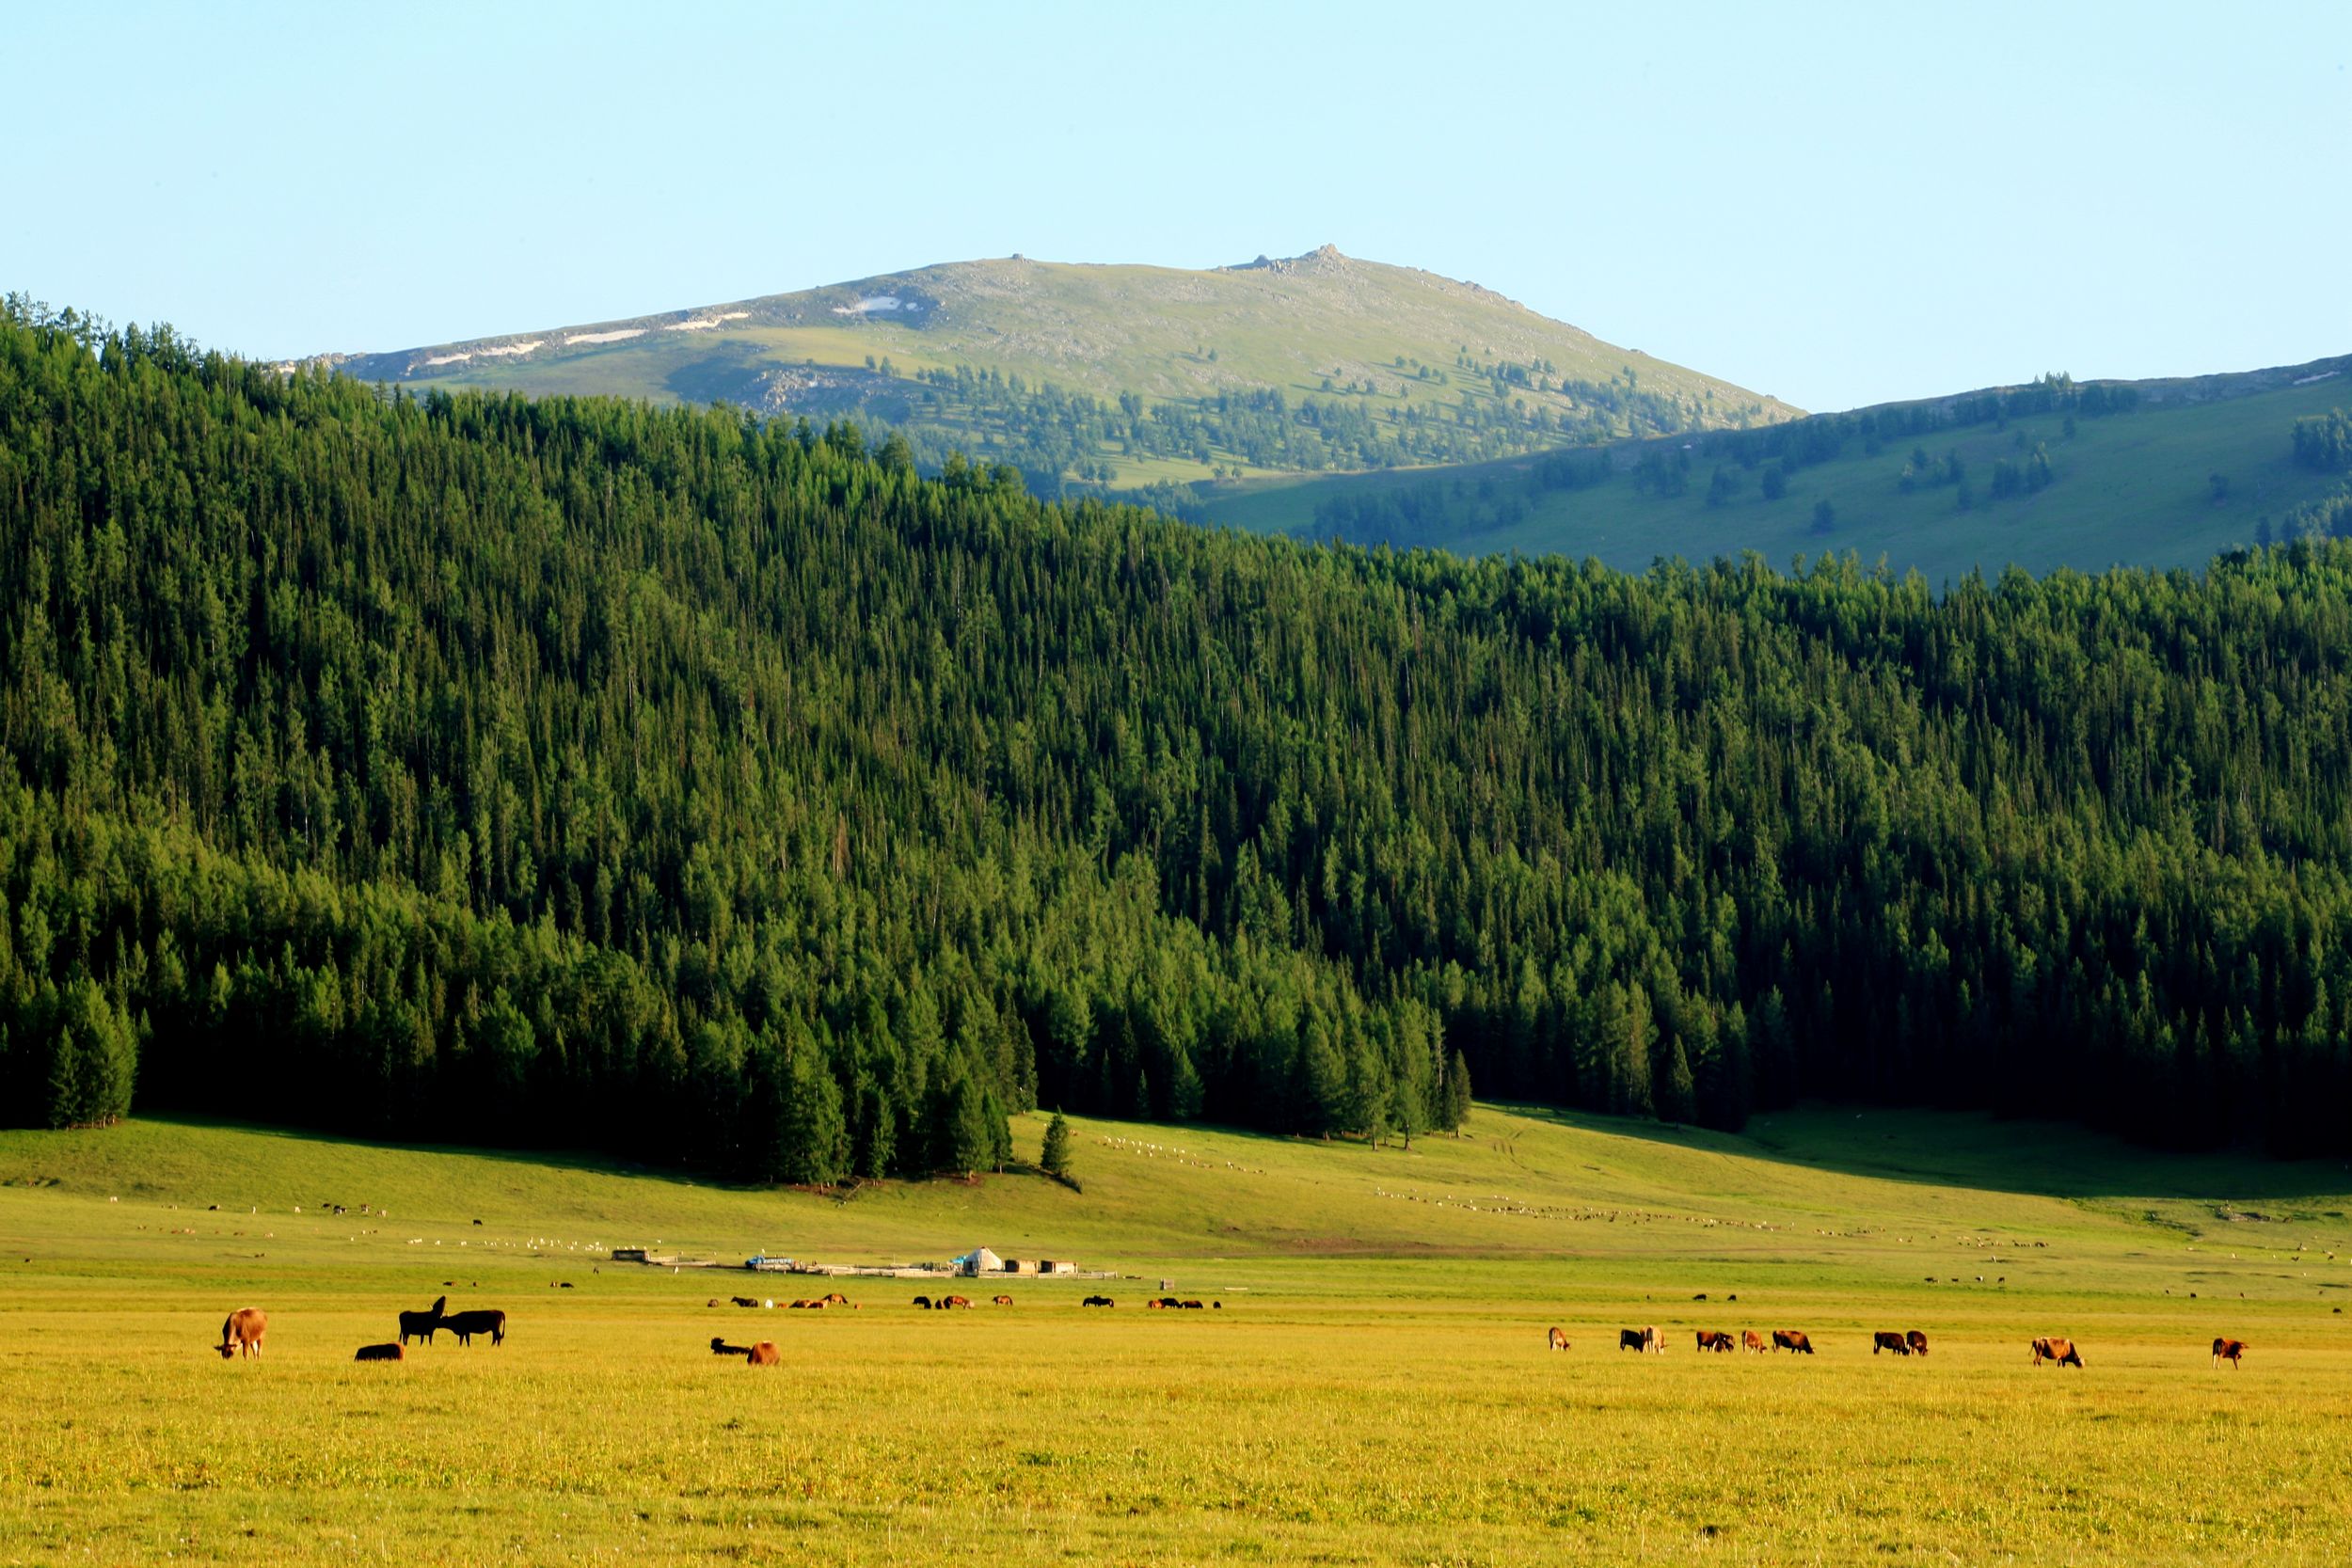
[1375, 1387]
[1164, 334]
[2134, 489]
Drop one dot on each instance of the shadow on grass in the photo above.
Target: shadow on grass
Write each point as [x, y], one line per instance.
[1977, 1149]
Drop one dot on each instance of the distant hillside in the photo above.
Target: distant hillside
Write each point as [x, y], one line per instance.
[1129, 375]
[2149, 473]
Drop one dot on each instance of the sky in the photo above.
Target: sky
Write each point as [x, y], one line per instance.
[1835, 205]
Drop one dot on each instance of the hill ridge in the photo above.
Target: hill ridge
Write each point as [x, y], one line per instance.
[1103, 373]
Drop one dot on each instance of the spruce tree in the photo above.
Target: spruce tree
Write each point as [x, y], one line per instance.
[1054, 1157]
[1457, 1092]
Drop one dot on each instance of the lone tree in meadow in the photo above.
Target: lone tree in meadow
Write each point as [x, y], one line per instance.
[1456, 1089]
[1054, 1157]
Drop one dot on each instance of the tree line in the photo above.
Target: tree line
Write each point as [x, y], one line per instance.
[1066, 444]
[668, 782]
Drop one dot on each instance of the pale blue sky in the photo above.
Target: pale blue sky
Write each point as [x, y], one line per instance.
[1837, 205]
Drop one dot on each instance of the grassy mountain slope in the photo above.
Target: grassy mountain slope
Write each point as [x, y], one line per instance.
[2134, 488]
[1160, 334]
[1876, 1199]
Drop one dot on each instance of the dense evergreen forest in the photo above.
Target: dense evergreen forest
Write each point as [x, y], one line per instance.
[586, 773]
[1066, 443]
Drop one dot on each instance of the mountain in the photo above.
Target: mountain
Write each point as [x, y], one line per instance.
[576, 772]
[1127, 374]
[2147, 473]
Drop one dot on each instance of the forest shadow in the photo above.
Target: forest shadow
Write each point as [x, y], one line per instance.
[1980, 1151]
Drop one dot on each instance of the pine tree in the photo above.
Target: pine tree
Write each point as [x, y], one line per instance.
[1055, 1159]
[815, 1136]
[1457, 1092]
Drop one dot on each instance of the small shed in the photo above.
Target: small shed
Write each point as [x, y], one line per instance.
[1049, 1265]
[628, 1255]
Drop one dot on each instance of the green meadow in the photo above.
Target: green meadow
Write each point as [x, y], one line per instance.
[2134, 489]
[1374, 1386]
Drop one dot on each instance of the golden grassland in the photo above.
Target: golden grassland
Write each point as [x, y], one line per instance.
[1374, 1388]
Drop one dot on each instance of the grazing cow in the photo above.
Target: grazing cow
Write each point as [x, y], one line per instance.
[241, 1334]
[1917, 1342]
[835, 1299]
[745, 1300]
[381, 1353]
[1710, 1340]
[1002, 1301]
[1789, 1339]
[1192, 1306]
[763, 1354]
[2228, 1349]
[1642, 1339]
[923, 1302]
[955, 1300]
[487, 1320]
[1153, 1303]
[1889, 1341]
[2054, 1349]
[1557, 1339]
[1751, 1339]
[719, 1347]
[422, 1323]
[1098, 1301]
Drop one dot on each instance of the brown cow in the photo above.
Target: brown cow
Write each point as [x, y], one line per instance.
[242, 1333]
[2228, 1349]
[1153, 1303]
[1895, 1343]
[1002, 1301]
[1191, 1305]
[1558, 1341]
[1916, 1340]
[381, 1353]
[763, 1354]
[489, 1320]
[1710, 1340]
[836, 1299]
[1789, 1339]
[2054, 1349]
[955, 1300]
[1751, 1339]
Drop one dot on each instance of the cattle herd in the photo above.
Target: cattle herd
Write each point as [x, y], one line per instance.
[241, 1334]
[2056, 1351]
